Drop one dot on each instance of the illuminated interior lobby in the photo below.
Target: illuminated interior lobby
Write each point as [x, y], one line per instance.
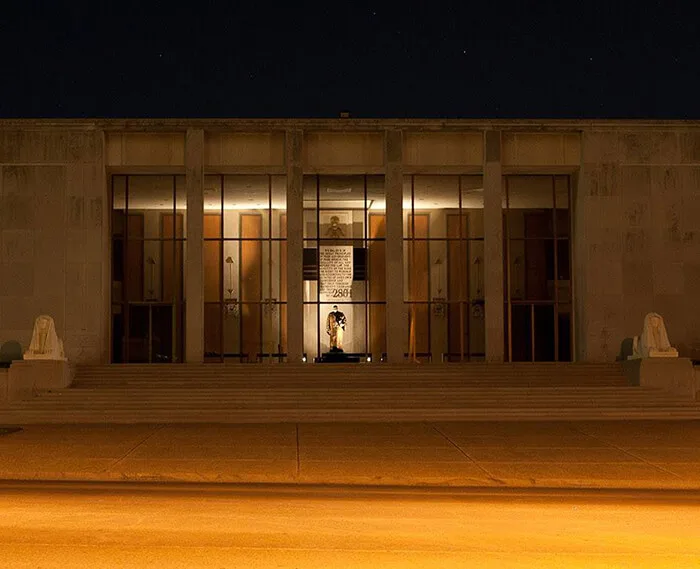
[231, 241]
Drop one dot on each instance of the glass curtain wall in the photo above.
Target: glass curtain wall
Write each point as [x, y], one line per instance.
[443, 267]
[245, 268]
[148, 256]
[344, 264]
[538, 303]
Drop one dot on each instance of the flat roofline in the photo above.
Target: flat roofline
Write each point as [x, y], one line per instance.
[343, 124]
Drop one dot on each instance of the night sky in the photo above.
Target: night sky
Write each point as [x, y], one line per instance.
[292, 59]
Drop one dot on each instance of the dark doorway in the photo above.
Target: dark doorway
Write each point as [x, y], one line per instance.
[537, 269]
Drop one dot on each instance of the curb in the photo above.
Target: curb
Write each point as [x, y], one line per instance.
[197, 478]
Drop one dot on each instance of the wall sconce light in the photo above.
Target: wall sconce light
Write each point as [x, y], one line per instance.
[231, 308]
[517, 270]
[439, 304]
[270, 306]
[438, 265]
[151, 278]
[439, 300]
[229, 290]
[479, 277]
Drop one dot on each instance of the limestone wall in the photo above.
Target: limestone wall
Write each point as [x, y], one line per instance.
[52, 249]
[637, 237]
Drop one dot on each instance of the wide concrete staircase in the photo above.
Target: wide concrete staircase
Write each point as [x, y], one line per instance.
[333, 392]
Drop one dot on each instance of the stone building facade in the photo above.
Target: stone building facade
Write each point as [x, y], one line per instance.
[465, 240]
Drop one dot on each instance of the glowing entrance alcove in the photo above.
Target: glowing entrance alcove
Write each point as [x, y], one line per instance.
[344, 231]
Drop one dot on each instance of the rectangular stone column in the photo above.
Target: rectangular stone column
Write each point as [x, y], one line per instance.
[579, 262]
[102, 181]
[493, 247]
[295, 246]
[194, 279]
[393, 187]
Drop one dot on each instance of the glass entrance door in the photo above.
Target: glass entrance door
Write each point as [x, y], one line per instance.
[151, 327]
[148, 255]
[538, 294]
[245, 268]
[443, 238]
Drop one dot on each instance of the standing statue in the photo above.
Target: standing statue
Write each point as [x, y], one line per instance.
[335, 326]
[45, 344]
[653, 343]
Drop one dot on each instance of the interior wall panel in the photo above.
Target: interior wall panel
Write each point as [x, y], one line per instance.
[251, 284]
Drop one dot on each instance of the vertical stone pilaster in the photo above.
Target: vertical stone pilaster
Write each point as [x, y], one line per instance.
[393, 187]
[493, 247]
[103, 181]
[295, 245]
[579, 263]
[194, 278]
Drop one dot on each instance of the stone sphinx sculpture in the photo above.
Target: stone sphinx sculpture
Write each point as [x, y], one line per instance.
[653, 343]
[45, 344]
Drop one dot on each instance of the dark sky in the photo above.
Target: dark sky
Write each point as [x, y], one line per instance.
[572, 59]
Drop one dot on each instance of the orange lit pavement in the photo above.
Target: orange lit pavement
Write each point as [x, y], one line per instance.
[219, 526]
[605, 454]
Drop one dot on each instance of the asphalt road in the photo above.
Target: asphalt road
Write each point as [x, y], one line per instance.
[97, 526]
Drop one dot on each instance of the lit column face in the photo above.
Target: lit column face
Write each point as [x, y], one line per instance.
[344, 265]
[245, 232]
[443, 267]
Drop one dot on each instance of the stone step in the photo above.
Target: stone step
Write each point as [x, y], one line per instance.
[293, 393]
[454, 400]
[628, 397]
[473, 364]
[394, 384]
[337, 371]
[193, 381]
[352, 392]
[331, 415]
[290, 369]
[424, 388]
[567, 392]
[340, 378]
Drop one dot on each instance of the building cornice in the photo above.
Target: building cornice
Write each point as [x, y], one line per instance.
[351, 124]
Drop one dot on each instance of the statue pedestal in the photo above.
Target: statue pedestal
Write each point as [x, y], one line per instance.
[670, 353]
[672, 374]
[28, 376]
[337, 357]
[4, 376]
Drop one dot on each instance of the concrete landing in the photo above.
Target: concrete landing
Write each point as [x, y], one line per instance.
[597, 454]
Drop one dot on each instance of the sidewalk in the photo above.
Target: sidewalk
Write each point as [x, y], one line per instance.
[611, 454]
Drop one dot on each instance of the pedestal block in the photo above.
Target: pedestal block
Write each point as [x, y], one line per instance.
[4, 374]
[674, 375]
[337, 357]
[28, 376]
